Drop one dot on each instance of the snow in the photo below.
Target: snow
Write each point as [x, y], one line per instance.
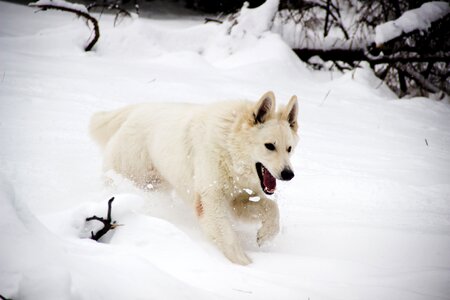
[414, 19]
[38, 264]
[253, 21]
[367, 215]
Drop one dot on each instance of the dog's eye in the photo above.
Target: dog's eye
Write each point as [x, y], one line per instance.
[270, 146]
[289, 149]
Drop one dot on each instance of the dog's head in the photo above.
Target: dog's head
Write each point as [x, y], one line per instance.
[272, 139]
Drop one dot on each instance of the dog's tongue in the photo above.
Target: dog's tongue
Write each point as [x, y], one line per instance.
[270, 182]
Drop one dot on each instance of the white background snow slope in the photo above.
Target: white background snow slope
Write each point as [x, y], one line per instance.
[367, 215]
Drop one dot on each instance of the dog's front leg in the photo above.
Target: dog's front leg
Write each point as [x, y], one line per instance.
[265, 210]
[213, 213]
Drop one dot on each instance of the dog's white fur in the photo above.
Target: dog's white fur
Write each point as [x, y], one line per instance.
[207, 153]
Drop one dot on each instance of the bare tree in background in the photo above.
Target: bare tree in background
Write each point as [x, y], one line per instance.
[416, 63]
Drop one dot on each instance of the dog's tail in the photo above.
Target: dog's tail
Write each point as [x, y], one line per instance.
[104, 125]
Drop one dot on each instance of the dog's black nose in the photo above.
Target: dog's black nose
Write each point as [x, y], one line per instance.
[287, 174]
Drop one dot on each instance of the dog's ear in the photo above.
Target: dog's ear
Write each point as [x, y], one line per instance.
[264, 108]
[290, 113]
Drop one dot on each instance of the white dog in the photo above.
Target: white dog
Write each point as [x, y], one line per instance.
[212, 155]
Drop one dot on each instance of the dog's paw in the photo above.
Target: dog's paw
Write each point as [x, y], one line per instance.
[236, 255]
[267, 232]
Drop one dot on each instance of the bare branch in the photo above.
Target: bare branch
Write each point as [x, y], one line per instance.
[421, 81]
[207, 19]
[353, 55]
[327, 17]
[79, 13]
[120, 10]
[108, 224]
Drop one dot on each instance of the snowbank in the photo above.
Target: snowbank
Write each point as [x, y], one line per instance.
[255, 21]
[37, 264]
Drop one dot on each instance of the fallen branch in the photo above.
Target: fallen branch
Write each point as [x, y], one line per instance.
[108, 224]
[421, 80]
[75, 9]
[401, 61]
[354, 55]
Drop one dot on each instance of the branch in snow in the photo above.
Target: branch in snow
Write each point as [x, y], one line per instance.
[416, 76]
[411, 20]
[78, 9]
[108, 224]
[4, 298]
[207, 19]
[62, 4]
[351, 56]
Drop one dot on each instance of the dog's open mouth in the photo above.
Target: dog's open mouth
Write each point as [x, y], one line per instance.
[268, 182]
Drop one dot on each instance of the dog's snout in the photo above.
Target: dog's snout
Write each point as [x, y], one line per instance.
[287, 174]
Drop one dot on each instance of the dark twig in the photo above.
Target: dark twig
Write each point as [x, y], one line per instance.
[325, 98]
[422, 81]
[108, 224]
[353, 55]
[213, 20]
[337, 19]
[115, 6]
[327, 17]
[4, 298]
[79, 13]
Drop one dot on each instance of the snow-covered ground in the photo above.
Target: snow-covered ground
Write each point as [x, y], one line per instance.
[366, 217]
